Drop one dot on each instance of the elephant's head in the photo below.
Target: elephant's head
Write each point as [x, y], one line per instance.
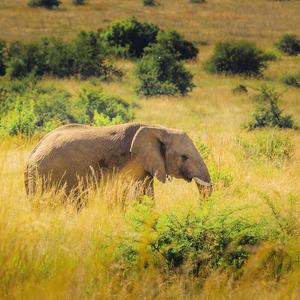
[169, 152]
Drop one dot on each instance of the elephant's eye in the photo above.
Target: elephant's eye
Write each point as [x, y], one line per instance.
[184, 157]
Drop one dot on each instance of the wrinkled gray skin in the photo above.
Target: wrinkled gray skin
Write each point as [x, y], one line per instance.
[74, 152]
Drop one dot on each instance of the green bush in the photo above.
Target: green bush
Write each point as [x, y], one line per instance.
[88, 59]
[268, 113]
[42, 109]
[196, 242]
[236, 58]
[128, 38]
[176, 44]
[274, 147]
[198, 1]
[45, 3]
[289, 44]
[159, 73]
[83, 56]
[292, 80]
[93, 107]
[2, 64]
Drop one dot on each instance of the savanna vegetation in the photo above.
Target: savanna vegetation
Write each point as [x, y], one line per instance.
[226, 72]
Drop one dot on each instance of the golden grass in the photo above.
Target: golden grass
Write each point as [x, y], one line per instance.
[258, 20]
[50, 251]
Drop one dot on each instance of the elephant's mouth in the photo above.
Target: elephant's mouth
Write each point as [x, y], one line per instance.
[205, 188]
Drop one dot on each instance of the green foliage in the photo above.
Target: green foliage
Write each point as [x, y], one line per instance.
[237, 57]
[45, 3]
[198, 1]
[159, 73]
[83, 56]
[128, 38]
[289, 44]
[2, 65]
[88, 59]
[43, 109]
[79, 2]
[197, 241]
[176, 44]
[93, 107]
[292, 80]
[21, 120]
[268, 113]
[274, 147]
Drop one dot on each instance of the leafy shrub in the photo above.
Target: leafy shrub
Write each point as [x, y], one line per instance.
[268, 113]
[289, 44]
[42, 109]
[21, 120]
[2, 65]
[88, 59]
[79, 2]
[128, 38]
[176, 44]
[198, 1]
[272, 146]
[197, 241]
[44, 3]
[83, 56]
[236, 58]
[292, 80]
[93, 107]
[24, 59]
[159, 73]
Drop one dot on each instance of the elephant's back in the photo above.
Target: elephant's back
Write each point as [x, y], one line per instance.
[78, 146]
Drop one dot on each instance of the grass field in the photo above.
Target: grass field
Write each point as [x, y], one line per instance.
[50, 251]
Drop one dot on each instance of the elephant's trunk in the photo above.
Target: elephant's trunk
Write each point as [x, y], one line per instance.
[205, 188]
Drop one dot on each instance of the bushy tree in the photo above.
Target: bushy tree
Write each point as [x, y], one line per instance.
[289, 44]
[45, 3]
[176, 44]
[268, 113]
[160, 73]
[128, 38]
[237, 57]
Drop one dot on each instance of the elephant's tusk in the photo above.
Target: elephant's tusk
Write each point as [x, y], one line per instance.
[202, 182]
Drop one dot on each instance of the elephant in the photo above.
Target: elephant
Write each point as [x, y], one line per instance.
[71, 153]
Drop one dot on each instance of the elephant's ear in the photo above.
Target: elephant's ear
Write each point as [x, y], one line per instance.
[148, 148]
